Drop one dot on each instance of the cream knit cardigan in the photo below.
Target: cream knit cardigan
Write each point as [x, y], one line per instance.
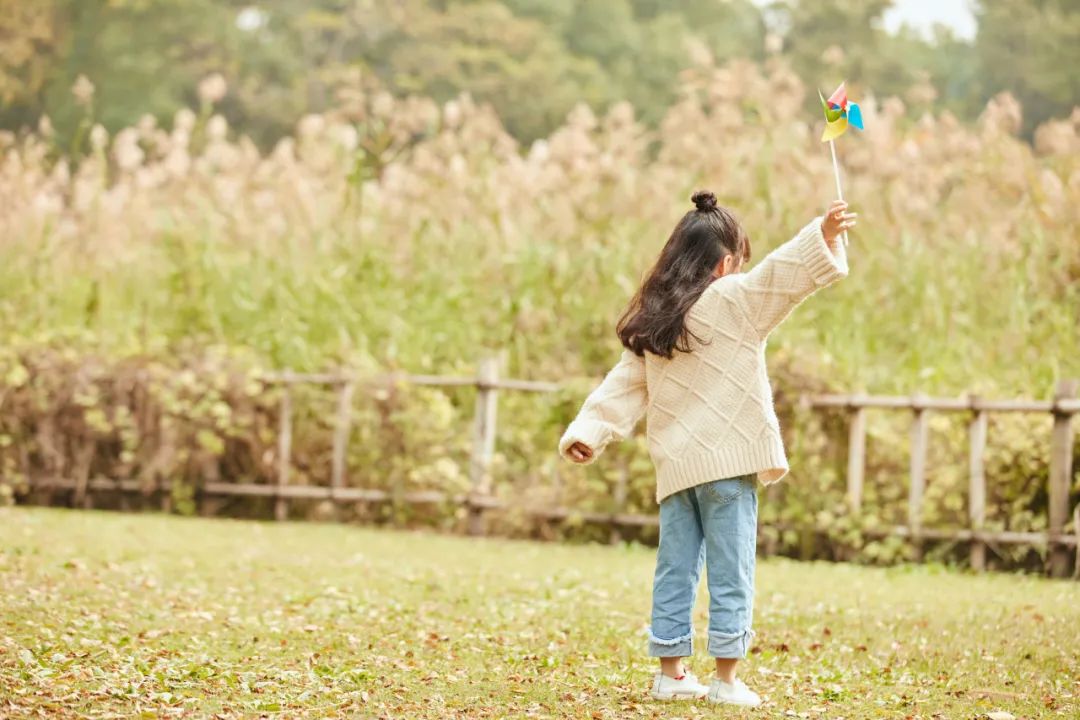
[710, 411]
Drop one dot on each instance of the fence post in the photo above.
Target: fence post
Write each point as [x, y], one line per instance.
[856, 466]
[1076, 532]
[487, 402]
[165, 491]
[281, 508]
[1061, 453]
[342, 428]
[125, 503]
[918, 473]
[84, 455]
[977, 485]
[621, 481]
[774, 496]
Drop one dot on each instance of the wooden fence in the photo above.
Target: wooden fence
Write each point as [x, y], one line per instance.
[479, 500]
[1062, 408]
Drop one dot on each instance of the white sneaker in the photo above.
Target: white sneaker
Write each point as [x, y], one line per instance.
[735, 693]
[686, 688]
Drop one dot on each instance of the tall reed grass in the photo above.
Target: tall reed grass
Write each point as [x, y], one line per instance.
[397, 233]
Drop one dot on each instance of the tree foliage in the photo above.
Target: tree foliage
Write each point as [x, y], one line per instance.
[532, 60]
[1031, 48]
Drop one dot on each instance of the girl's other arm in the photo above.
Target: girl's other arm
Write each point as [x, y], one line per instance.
[609, 413]
[811, 260]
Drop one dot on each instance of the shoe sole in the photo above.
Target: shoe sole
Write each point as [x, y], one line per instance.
[676, 696]
[733, 702]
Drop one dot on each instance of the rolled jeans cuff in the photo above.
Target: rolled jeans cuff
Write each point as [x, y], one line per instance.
[682, 646]
[730, 645]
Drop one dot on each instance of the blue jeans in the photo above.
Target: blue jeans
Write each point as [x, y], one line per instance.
[713, 524]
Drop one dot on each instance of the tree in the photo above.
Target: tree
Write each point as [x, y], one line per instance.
[513, 63]
[531, 59]
[850, 27]
[1032, 49]
[31, 39]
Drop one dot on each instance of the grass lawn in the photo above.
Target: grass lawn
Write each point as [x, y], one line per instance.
[113, 615]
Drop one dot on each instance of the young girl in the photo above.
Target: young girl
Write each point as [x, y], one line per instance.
[695, 337]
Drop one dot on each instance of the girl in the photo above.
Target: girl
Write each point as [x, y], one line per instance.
[694, 359]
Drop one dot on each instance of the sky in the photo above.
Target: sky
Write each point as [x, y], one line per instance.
[921, 15]
[924, 14]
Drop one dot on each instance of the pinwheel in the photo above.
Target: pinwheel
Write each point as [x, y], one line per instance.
[839, 114]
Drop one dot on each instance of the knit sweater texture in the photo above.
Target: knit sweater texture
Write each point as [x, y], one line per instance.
[710, 411]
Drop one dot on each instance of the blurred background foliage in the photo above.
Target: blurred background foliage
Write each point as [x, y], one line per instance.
[533, 60]
[192, 193]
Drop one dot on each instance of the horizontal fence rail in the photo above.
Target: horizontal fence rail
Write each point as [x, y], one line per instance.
[969, 404]
[487, 383]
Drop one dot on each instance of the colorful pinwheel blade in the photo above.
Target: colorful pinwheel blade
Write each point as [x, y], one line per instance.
[839, 98]
[831, 114]
[834, 129]
[854, 115]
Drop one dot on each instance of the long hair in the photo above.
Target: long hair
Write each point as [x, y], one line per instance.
[655, 320]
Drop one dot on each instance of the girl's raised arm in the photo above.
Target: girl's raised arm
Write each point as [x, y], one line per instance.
[794, 271]
[611, 410]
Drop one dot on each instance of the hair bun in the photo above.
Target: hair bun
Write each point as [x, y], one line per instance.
[704, 200]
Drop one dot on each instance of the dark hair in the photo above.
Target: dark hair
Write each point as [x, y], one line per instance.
[655, 320]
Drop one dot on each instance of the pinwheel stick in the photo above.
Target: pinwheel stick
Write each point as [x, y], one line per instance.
[836, 172]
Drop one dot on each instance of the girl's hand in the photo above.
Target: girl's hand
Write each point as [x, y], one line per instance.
[837, 220]
[580, 452]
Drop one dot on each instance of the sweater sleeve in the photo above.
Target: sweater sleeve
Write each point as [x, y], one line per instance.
[789, 275]
[611, 410]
